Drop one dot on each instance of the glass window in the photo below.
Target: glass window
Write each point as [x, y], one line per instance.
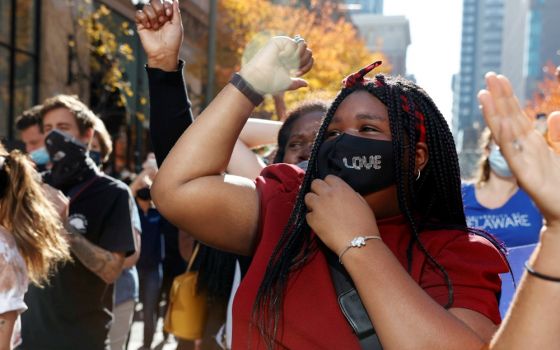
[24, 74]
[4, 90]
[5, 14]
[18, 61]
[25, 26]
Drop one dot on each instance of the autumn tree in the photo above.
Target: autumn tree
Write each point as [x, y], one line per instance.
[244, 26]
[105, 68]
[547, 97]
[110, 89]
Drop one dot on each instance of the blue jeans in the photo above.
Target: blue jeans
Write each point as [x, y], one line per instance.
[150, 284]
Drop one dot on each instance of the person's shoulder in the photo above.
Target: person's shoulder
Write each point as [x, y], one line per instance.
[7, 244]
[112, 184]
[284, 177]
[462, 242]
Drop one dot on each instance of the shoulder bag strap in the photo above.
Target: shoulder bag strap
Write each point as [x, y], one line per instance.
[351, 304]
[193, 255]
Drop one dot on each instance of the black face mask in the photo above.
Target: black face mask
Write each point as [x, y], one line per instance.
[144, 193]
[70, 163]
[364, 164]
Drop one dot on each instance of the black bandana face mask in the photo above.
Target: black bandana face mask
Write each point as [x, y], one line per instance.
[364, 164]
[70, 162]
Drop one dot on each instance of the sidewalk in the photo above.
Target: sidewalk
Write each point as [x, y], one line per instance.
[136, 334]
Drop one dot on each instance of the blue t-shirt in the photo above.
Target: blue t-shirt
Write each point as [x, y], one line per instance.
[151, 251]
[518, 222]
[126, 286]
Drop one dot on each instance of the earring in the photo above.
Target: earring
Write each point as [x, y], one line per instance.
[419, 173]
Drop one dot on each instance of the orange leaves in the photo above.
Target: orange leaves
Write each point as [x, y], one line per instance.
[108, 53]
[336, 47]
[547, 98]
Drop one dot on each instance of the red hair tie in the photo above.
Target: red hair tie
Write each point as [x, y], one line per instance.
[359, 76]
[420, 119]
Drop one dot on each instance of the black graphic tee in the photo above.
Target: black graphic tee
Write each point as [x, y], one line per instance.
[74, 310]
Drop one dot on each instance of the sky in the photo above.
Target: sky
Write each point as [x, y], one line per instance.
[435, 50]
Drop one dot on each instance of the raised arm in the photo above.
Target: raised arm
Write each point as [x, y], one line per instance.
[170, 107]
[533, 319]
[257, 132]
[191, 189]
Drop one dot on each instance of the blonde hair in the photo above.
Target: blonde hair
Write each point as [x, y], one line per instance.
[29, 216]
[483, 172]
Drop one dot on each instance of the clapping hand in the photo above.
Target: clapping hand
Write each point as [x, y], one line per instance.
[535, 165]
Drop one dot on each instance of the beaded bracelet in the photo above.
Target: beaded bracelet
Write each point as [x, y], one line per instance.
[356, 242]
[246, 89]
[540, 275]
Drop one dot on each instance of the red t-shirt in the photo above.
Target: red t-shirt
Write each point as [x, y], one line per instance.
[311, 317]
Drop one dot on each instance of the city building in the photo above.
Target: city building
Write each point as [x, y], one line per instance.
[514, 44]
[44, 51]
[513, 37]
[541, 41]
[481, 52]
[365, 6]
[387, 34]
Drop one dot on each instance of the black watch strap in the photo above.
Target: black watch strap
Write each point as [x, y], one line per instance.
[246, 89]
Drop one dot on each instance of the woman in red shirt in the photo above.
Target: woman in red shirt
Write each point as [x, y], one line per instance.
[383, 177]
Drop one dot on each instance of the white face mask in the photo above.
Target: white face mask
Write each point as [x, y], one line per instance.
[498, 163]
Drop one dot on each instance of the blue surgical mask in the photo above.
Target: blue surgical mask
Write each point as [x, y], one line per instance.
[303, 165]
[40, 156]
[498, 163]
[96, 157]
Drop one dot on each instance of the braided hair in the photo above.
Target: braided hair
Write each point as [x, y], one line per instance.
[433, 199]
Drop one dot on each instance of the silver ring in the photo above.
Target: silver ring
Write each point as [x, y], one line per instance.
[298, 39]
[517, 145]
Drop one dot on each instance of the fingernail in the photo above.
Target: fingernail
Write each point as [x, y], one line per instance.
[168, 12]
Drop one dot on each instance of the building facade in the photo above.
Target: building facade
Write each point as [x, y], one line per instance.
[481, 52]
[541, 41]
[387, 34]
[365, 6]
[515, 38]
[43, 52]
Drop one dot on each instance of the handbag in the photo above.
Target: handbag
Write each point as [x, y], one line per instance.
[187, 312]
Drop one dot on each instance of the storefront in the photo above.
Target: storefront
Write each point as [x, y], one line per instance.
[19, 60]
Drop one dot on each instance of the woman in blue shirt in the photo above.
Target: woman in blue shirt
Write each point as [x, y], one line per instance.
[495, 203]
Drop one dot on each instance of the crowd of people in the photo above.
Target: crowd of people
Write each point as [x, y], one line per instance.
[356, 233]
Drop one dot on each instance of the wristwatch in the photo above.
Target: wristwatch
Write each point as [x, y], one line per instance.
[246, 89]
